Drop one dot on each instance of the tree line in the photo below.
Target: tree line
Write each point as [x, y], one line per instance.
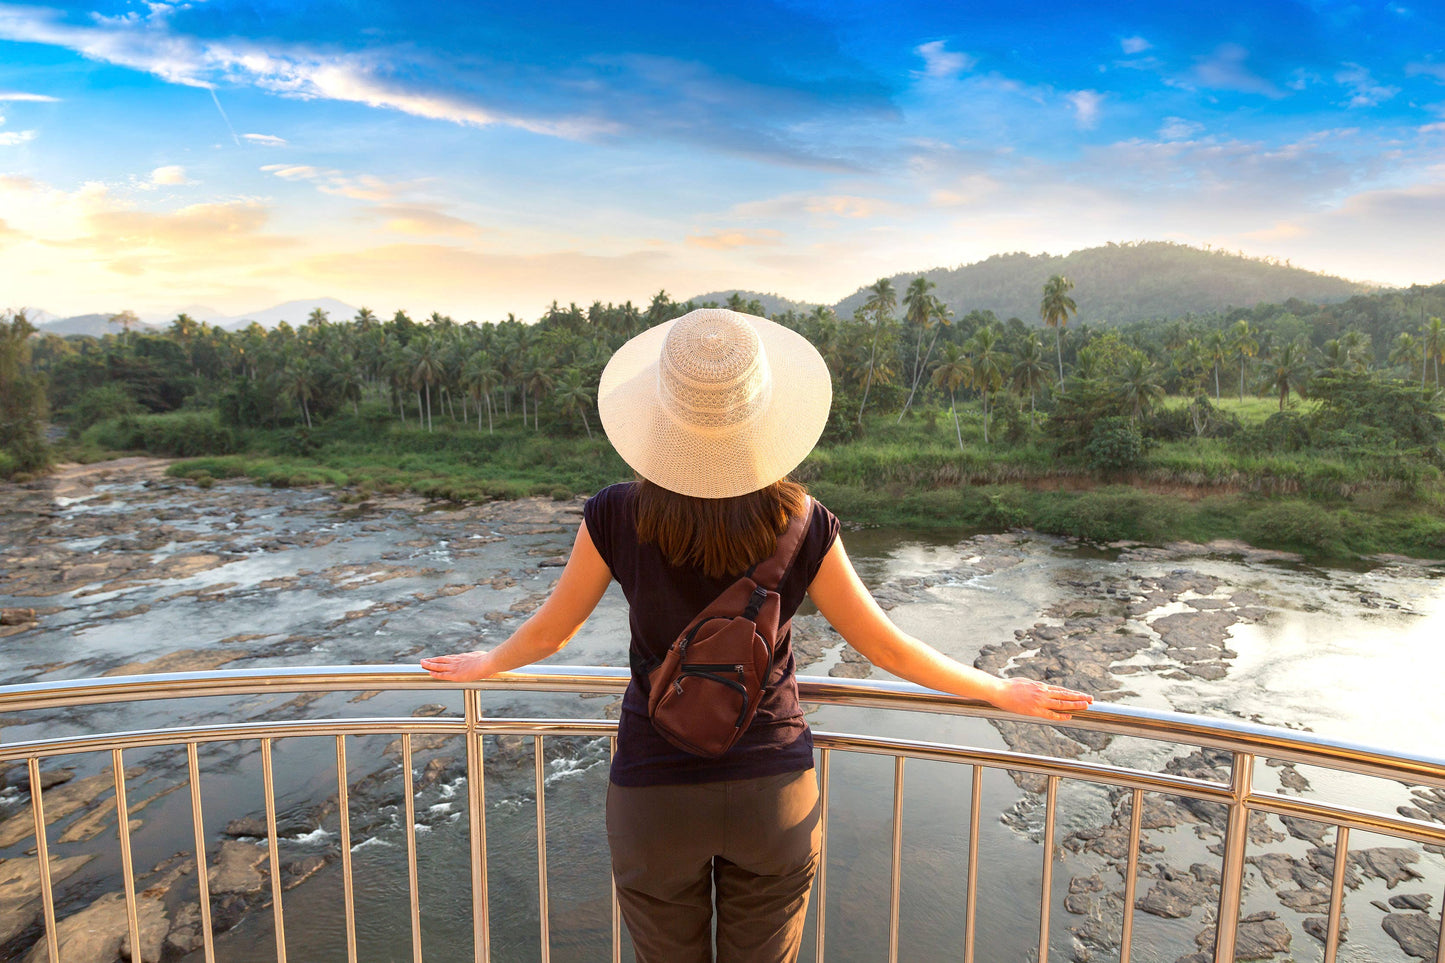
[899, 354]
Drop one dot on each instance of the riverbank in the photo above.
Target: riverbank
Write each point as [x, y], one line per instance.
[913, 475]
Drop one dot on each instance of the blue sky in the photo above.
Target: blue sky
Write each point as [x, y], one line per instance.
[481, 159]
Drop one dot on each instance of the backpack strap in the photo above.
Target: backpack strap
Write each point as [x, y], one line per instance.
[770, 571]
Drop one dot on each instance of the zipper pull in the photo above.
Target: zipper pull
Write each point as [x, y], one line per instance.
[739, 670]
[677, 684]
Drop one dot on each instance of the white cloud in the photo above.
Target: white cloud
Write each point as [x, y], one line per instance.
[1364, 91]
[360, 187]
[264, 140]
[169, 175]
[941, 63]
[1225, 70]
[15, 137]
[1133, 45]
[1086, 105]
[147, 44]
[1177, 128]
[1428, 69]
[13, 95]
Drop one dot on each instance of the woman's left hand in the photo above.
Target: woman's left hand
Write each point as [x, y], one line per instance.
[461, 667]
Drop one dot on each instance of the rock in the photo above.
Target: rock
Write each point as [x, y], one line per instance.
[97, 933]
[20, 890]
[17, 616]
[185, 934]
[851, 670]
[1306, 829]
[1306, 900]
[1175, 896]
[235, 869]
[298, 871]
[253, 826]
[1390, 863]
[70, 798]
[1276, 868]
[1259, 937]
[1416, 933]
[1412, 901]
[1319, 927]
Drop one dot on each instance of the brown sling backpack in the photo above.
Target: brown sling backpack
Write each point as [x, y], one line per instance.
[707, 690]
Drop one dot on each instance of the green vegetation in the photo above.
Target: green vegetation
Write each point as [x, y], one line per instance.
[22, 400]
[1298, 426]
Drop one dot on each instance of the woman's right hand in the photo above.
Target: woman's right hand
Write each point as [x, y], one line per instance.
[1030, 698]
[461, 667]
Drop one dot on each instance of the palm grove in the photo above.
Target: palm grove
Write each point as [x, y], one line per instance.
[1356, 383]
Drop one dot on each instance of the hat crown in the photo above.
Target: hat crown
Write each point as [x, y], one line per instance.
[713, 372]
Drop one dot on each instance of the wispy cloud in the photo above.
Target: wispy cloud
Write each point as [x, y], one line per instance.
[1177, 128]
[1426, 69]
[728, 240]
[170, 175]
[13, 96]
[358, 187]
[1364, 90]
[422, 221]
[939, 62]
[1225, 69]
[12, 138]
[264, 140]
[1134, 45]
[1086, 104]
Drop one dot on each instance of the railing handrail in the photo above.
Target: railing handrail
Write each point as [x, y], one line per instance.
[1227, 734]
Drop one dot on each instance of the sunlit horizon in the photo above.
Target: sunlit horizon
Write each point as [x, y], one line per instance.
[158, 157]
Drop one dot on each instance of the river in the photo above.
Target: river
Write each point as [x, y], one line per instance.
[130, 571]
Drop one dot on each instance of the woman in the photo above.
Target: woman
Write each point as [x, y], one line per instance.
[712, 410]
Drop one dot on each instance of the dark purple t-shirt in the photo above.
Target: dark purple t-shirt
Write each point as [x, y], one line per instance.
[662, 599]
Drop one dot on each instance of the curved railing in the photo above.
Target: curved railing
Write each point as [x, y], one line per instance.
[1246, 744]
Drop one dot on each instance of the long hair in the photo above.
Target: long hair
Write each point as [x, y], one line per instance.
[721, 536]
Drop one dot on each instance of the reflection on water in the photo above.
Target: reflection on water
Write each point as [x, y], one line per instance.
[1348, 654]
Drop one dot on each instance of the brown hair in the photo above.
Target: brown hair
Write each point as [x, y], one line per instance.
[721, 536]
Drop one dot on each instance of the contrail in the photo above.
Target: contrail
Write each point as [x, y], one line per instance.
[224, 117]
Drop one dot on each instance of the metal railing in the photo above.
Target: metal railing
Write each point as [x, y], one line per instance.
[1246, 743]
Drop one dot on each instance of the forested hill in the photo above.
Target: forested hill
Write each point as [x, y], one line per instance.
[1123, 282]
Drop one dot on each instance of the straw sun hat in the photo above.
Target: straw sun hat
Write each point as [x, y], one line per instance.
[715, 403]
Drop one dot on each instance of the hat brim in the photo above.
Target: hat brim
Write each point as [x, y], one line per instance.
[716, 463]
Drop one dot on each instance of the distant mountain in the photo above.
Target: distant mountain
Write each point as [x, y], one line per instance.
[1122, 282]
[93, 325]
[772, 303]
[293, 313]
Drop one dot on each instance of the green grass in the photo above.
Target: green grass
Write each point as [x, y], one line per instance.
[912, 474]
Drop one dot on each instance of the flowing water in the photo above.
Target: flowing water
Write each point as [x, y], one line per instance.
[294, 578]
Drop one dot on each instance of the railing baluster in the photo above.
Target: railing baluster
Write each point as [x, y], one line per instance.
[42, 855]
[1236, 836]
[413, 891]
[127, 869]
[1131, 875]
[1337, 892]
[348, 888]
[612, 881]
[273, 850]
[1045, 904]
[970, 912]
[896, 889]
[824, 757]
[203, 868]
[476, 792]
[542, 905]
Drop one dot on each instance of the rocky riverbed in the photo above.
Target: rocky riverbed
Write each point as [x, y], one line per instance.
[116, 569]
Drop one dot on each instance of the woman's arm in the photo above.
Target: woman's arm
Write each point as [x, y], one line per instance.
[847, 604]
[552, 626]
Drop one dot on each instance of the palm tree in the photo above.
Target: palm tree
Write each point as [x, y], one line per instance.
[576, 395]
[939, 317]
[1218, 352]
[985, 367]
[482, 377]
[1193, 364]
[1433, 336]
[918, 308]
[301, 378]
[317, 317]
[882, 299]
[1288, 371]
[538, 379]
[1030, 372]
[426, 369]
[1405, 351]
[1357, 349]
[952, 371]
[1139, 384]
[1055, 310]
[1243, 344]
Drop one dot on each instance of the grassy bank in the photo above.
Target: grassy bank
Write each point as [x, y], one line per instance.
[914, 474]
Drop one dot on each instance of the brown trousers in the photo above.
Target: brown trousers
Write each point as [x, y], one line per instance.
[752, 842]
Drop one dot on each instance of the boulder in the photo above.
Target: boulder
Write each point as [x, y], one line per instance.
[100, 932]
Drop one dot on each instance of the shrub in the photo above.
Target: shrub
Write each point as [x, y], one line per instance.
[1110, 515]
[1295, 525]
[179, 433]
[1115, 445]
[100, 403]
